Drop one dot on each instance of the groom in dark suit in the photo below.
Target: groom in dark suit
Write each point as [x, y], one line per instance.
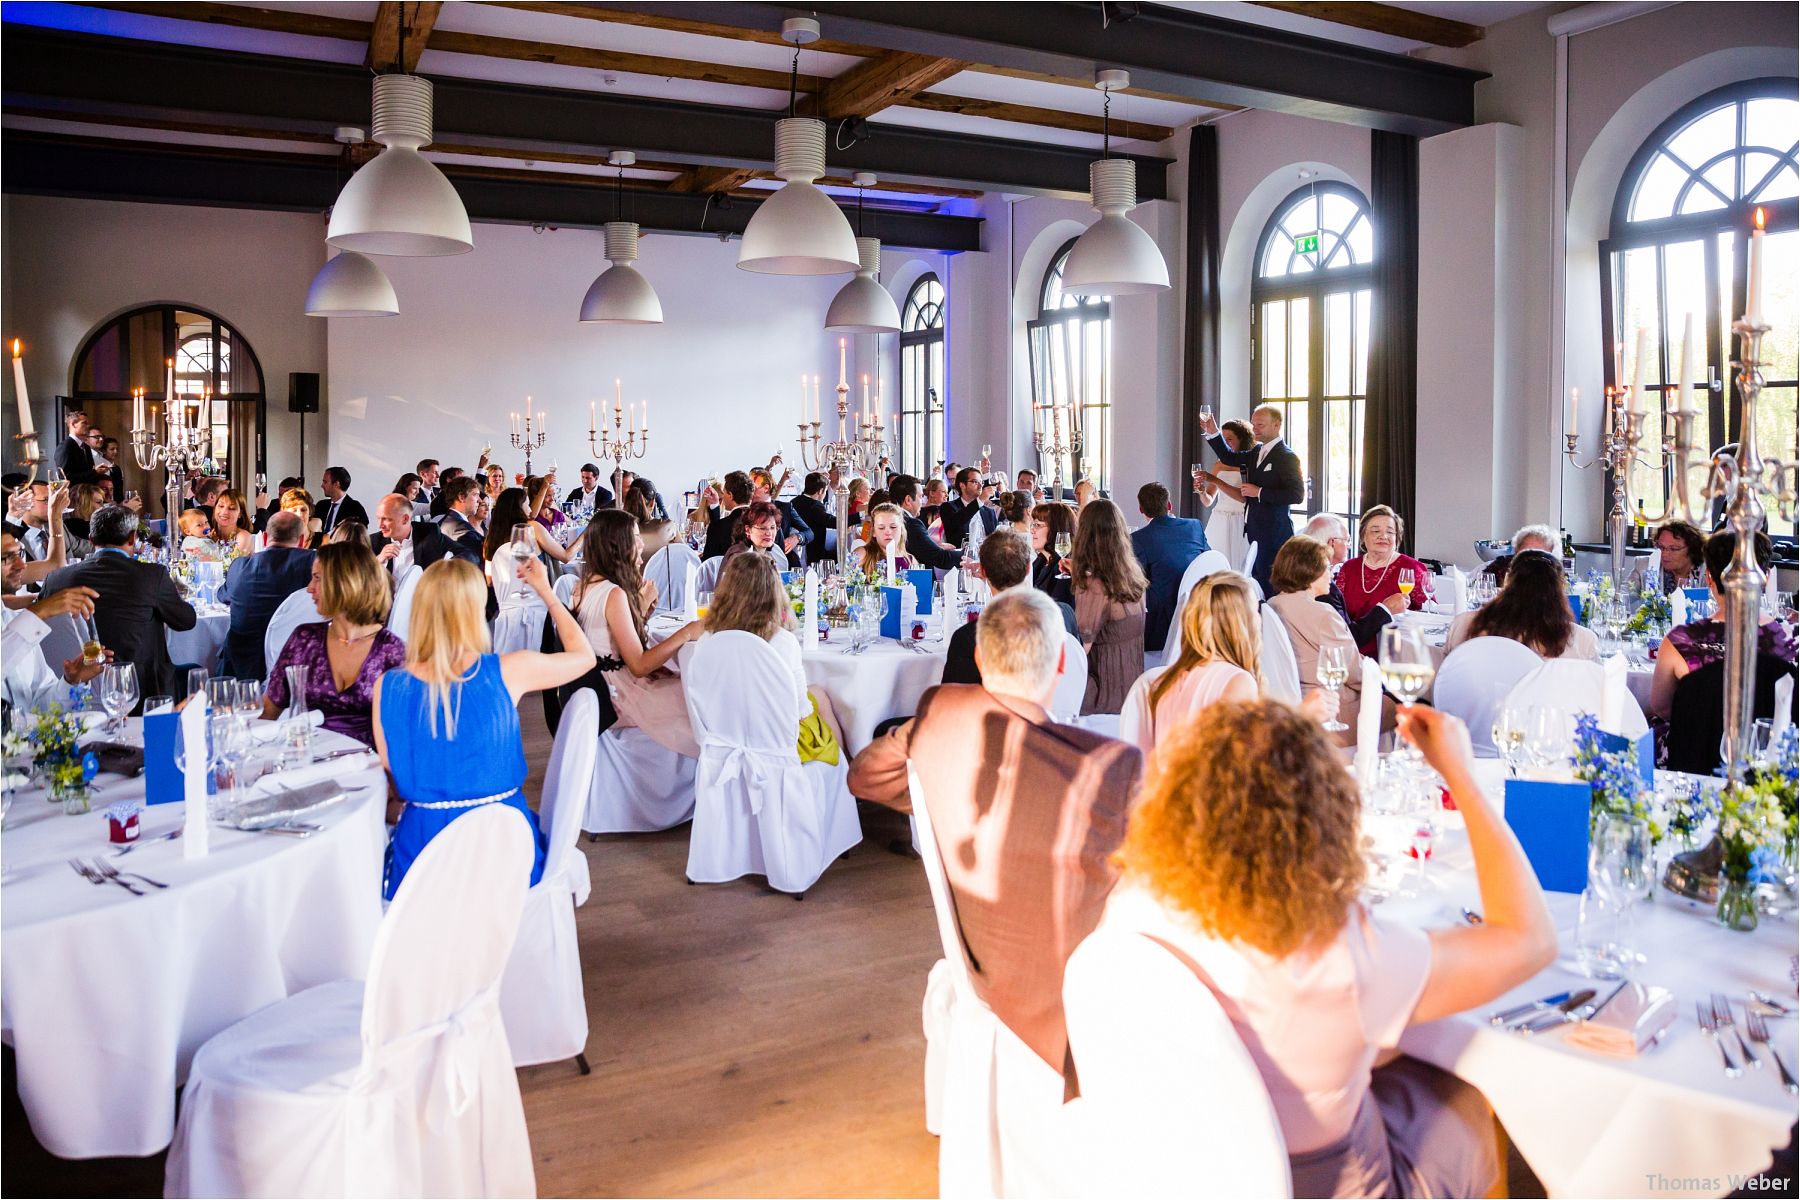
[1273, 483]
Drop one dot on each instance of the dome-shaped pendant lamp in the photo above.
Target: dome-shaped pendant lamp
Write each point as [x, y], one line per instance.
[863, 305]
[799, 230]
[1115, 257]
[399, 203]
[621, 296]
[351, 285]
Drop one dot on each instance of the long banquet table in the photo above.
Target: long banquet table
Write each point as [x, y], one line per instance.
[105, 996]
[1666, 1123]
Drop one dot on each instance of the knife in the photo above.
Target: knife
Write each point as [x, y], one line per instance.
[1573, 1001]
[1571, 1012]
[1513, 1014]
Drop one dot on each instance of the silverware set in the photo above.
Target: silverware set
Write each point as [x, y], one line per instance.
[1719, 1024]
[1538, 1015]
[121, 851]
[100, 873]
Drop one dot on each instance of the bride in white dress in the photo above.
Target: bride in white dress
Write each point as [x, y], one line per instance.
[1219, 491]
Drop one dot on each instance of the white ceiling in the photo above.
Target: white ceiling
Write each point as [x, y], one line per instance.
[1471, 12]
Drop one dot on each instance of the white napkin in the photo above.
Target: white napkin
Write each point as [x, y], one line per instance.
[1612, 693]
[810, 608]
[194, 825]
[948, 604]
[1459, 591]
[1368, 725]
[1784, 705]
[892, 550]
[692, 611]
[1678, 607]
[1630, 1024]
[269, 731]
[335, 770]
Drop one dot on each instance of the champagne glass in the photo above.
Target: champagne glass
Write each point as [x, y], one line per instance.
[1406, 671]
[522, 546]
[1206, 412]
[1334, 672]
[118, 693]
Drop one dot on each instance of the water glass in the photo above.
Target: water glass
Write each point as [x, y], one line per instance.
[1547, 735]
[118, 693]
[196, 680]
[1621, 867]
[296, 748]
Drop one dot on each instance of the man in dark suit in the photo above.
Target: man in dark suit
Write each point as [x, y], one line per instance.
[723, 514]
[256, 585]
[73, 458]
[591, 492]
[137, 602]
[338, 506]
[762, 487]
[1273, 484]
[404, 543]
[1330, 529]
[1164, 546]
[1027, 814]
[1005, 564]
[903, 490]
[809, 509]
[964, 508]
[455, 533]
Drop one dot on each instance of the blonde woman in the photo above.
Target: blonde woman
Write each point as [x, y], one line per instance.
[1109, 587]
[888, 528]
[1221, 653]
[750, 598]
[447, 723]
[231, 523]
[87, 498]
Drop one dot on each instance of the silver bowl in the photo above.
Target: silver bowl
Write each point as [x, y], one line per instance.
[1489, 549]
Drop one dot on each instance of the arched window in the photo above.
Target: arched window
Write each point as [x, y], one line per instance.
[131, 351]
[1679, 246]
[921, 433]
[1309, 321]
[1071, 381]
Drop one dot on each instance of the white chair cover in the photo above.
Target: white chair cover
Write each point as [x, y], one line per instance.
[639, 785]
[708, 576]
[403, 1086]
[1474, 682]
[541, 996]
[667, 569]
[1281, 670]
[1249, 559]
[1134, 714]
[400, 616]
[1575, 686]
[564, 588]
[297, 610]
[758, 809]
[519, 624]
[1071, 685]
[1170, 1096]
[1203, 565]
[67, 634]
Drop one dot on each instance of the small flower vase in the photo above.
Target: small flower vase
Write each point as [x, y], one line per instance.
[76, 797]
[1737, 904]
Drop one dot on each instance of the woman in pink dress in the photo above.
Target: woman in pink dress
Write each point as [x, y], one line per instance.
[1221, 653]
[1379, 571]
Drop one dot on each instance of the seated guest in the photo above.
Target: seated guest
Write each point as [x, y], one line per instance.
[794, 534]
[656, 534]
[1692, 646]
[447, 723]
[877, 498]
[136, 602]
[1374, 575]
[639, 503]
[811, 510]
[350, 531]
[1318, 986]
[463, 499]
[510, 516]
[1532, 607]
[232, 527]
[1681, 551]
[612, 601]
[750, 598]
[888, 523]
[590, 495]
[1005, 565]
[1050, 523]
[1027, 814]
[299, 500]
[1330, 529]
[256, 585]
[446, 476]
[411, 486]
[37, 517]
[86, 497]
[1015, 510]
[758, 527]
[1085, 494]
[540, 502]
[1165, 546]
[1109, 588]
[28, 680]
[406, 542]
[1530, 537]
[339, 504]
[859, 502]
[1219, 657]
[1301, 574]
[924, 552]
[196, 536]
[346, 652]
[961, 509]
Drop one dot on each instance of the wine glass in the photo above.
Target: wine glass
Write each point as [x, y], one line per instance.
[1620, 867]
[1406, 671]
[118, 692]
[196, 681]
[231, 745]
[1065, 542]
[1206, 412]
[1546, 735]
[522, 546]
[201, 758]
[1406, 583]
[1509, 737]
[1334, 672]
[987, 452]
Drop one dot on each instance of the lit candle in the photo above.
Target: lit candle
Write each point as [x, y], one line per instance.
[1611, 395]
[206, 400]
[1574, 410]
[528, 414]
[25, 426]
[1636, 399]
[843, 377]
[169, 389]
[1753, 310]
[543, 421]
[631, 419]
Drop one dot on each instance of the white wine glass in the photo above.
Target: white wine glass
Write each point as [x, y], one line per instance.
[1334, 672]
[1406, 671]
[118, 693]
[1065, 543]
[1509, 737]
[1546, 735]
[522, 546]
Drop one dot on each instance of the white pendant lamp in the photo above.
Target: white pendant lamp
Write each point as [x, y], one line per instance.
[799, 230]
[621, 296]
[1114, 257]
[399, 203]
[863, 305]
[351, 285]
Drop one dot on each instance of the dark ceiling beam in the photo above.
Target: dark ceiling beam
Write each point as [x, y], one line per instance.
[1167, 50]
[47, 69]
[161, 174]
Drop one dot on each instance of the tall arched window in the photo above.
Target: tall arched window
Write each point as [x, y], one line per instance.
[1309, 321]
[131, 351]
[1071, 379]
[921, 433]
[1679, 245]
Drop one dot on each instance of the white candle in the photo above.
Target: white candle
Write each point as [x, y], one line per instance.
[1611, 395]
[843, 376]
[25, 426]
[169, 389]
[618, 397]
[1681, 398]
[1637, 371]
[591, 415]
[631, 419]
[1574, 411]
[543, 421]
[1753, 309]
[644, 416]
[865, 393]
[805, 401]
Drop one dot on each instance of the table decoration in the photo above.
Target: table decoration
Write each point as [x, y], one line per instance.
[59, 761]
[1750, 818]
[122, 823]
[1618, 772]
[624, 443]
[858, 451]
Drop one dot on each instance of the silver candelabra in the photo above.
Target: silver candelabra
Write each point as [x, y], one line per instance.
[621, 445]
[1049, 441]
[529, 436]
[185, 449]
[862, 450]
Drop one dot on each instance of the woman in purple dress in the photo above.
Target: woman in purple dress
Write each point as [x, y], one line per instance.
[348, 651]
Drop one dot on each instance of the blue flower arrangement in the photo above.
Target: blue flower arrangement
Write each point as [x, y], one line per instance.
[1613, 776]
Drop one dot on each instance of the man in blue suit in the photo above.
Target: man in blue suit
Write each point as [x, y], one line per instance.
[1164, 546]
[1273, 484]
[256, 585]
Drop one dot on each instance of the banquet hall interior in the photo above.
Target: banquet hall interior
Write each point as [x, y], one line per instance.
[1062, 378]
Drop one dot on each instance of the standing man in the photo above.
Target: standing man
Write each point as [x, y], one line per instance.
[339, 506]
[427, 471]
[1273, 484]
[736, 495]
[73, 458]
[964, 508]
[1164, 546]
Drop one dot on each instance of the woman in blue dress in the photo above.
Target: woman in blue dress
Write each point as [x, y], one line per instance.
[447, 723]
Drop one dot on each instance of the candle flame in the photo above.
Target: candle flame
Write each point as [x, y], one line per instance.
[1759, 225]
[17, 354]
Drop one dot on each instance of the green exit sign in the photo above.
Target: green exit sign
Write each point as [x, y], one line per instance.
[1306, 243]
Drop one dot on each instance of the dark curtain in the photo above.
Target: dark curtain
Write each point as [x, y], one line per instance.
[1200, 366]
[1390, 429]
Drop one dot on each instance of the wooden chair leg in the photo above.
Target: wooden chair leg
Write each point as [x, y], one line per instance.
[582, 1062]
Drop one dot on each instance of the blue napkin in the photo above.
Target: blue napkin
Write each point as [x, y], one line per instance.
[164, 782]
[1551, 823]
[921, 579]
[890, 624]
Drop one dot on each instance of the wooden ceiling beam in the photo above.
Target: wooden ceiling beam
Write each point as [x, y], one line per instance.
[873, 84]
[708, 181]
[385, 40]
[1383, 18]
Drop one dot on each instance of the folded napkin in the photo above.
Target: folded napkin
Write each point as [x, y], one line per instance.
[194, 825]
[1459, 591]
[692, 611]
[265, 732]
[1628, 1026]
[1678, 607]
[1368, 725]
[1784, 705]
[297, 777]
[1612, 692]
[810, 608]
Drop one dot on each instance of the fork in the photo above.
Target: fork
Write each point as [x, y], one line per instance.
[113, 873]
[80, 868]
[121, 851]
[1759, 1032]
[1722, 1017]
[1776, 1008]
[1732, 1070]
[93, 872]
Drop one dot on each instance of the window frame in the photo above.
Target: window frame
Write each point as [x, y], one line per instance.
[930, 412]
[1074, 314]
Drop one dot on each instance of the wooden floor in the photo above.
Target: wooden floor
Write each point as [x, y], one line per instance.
[742, 1043]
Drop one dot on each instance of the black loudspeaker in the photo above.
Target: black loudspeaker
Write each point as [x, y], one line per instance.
[303, 391]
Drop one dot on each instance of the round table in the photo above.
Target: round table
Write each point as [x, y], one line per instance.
[201, 644]
[105, 996]
[885, 681]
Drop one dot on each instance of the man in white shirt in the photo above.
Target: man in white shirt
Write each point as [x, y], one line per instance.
[28, 680]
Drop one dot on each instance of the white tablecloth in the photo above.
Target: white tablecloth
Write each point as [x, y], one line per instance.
[1596, 1126]
[204, 641]
[105, 996]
